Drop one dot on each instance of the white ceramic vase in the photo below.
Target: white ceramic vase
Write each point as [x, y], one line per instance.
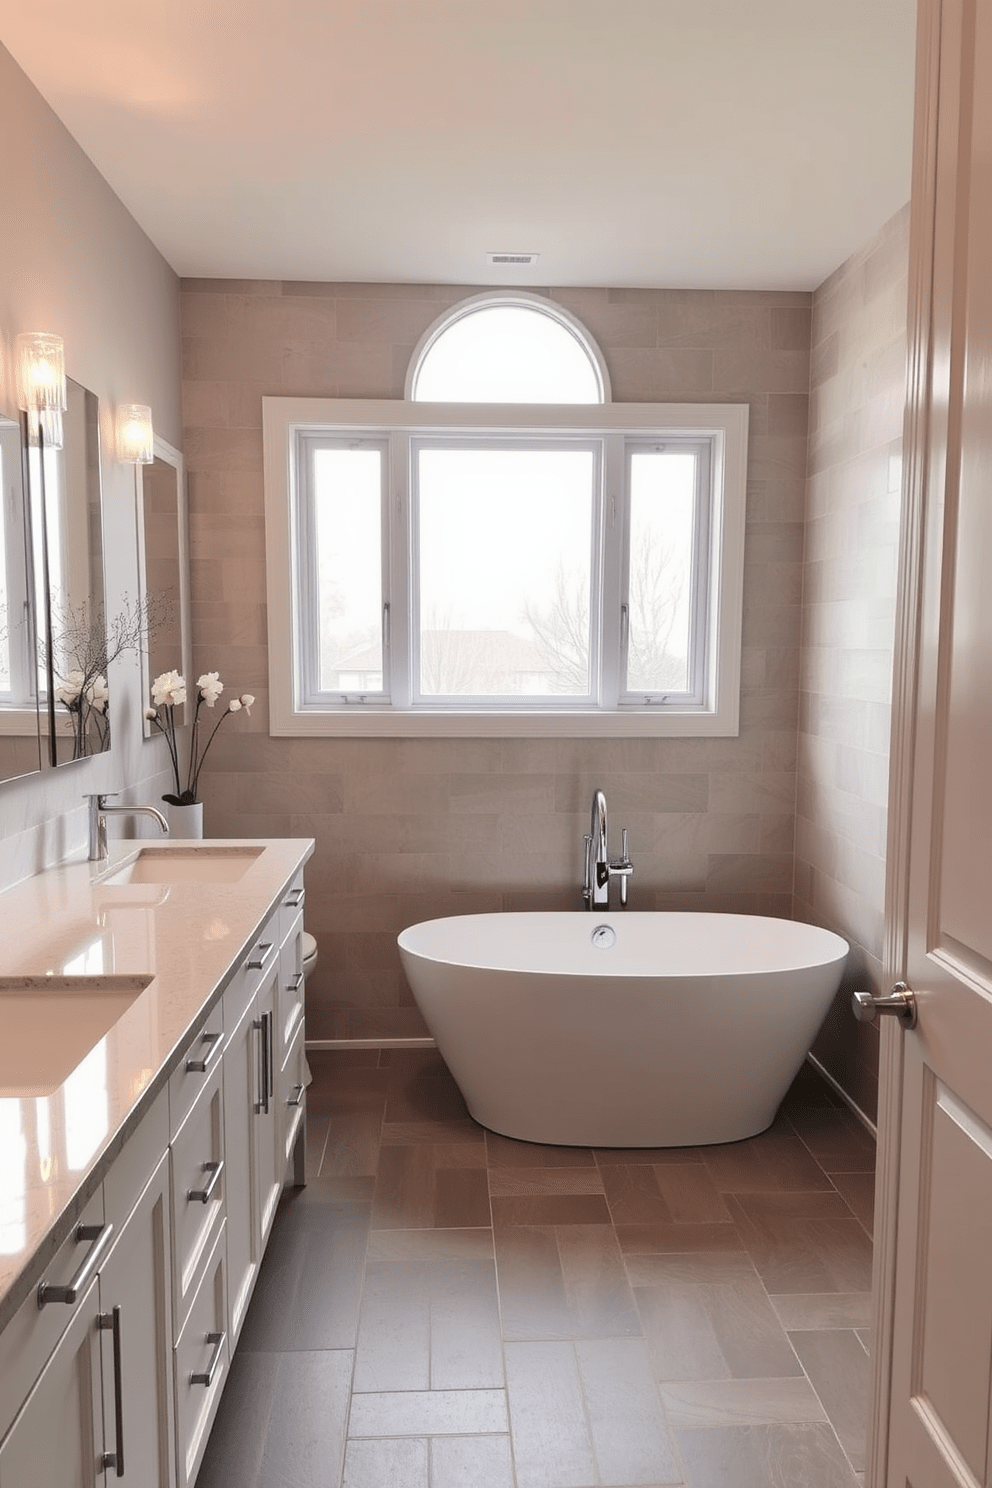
[185, 822]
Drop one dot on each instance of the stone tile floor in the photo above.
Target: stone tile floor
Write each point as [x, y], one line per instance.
[446, 1308]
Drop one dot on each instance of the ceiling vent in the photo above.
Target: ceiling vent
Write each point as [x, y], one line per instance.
[511, 260]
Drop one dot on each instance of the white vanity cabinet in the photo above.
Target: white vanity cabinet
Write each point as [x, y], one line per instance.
[117, 1377]
[252, 1123]
[89, 1419]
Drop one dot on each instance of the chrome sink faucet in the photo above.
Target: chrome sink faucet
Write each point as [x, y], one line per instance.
[598, 867]
[99, 811]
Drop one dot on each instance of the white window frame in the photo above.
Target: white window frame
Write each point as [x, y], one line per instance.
[619, 426]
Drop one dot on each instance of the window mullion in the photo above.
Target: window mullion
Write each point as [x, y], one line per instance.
[397, 593]
[612, 583]
[306, 681]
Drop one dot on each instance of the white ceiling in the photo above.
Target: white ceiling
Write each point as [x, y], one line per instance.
[707, 143]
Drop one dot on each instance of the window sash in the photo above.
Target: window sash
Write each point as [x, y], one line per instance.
[709, 709]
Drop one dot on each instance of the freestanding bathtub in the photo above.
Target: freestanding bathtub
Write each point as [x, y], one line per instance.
[623, 1030]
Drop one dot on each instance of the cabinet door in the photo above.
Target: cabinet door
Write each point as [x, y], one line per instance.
[289, 1004]
[136, 1334]
[269, 1166]
[242, 1086]
[57, 1438]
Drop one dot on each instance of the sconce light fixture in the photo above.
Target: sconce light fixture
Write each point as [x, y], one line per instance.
[135, 437]
[39, 368]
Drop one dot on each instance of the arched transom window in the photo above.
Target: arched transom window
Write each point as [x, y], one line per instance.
[508, 351]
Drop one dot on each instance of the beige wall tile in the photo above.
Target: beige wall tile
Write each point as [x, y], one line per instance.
[435, 827]
[858, 392]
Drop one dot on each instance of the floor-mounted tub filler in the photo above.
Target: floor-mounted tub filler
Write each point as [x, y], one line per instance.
[623, 1030]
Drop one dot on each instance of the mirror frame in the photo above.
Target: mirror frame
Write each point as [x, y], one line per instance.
[47, 620]
[22, 720]
[169, 456]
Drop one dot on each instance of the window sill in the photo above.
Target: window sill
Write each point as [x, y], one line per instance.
[634, 723]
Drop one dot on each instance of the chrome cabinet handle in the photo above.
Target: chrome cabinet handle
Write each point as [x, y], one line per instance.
[101, 1236]
[258, 959]
[200, 1066]
[295, 900]
[205, 1194]
[296, 1099]
[900, 1002]
[294, 985]
[264, 1026]
[270, 1046]
[206, 1376]
[115, 1459]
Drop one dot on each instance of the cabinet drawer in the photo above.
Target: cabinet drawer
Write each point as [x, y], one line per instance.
[199, 1061]
[289, 992]
[197, 1192]
[291, 1092]
[202, 1359]
[33, 1331]
[291, 905]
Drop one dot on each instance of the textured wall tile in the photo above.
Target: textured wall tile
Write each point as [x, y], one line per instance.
[434, 827]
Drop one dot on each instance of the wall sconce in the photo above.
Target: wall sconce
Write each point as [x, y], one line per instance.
[39, 369]
[135, 437]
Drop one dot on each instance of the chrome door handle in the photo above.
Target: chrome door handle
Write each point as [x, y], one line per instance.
[206, 1377]
[296, 1099]
[265, 1083]
[115, 1459]
[205, 1194]
[263, 951]
[101, 1236]
[900, 1002]
[200, 1066]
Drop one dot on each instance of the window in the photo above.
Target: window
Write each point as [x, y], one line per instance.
[560, 564]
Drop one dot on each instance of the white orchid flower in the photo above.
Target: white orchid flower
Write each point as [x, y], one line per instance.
[69, 688]
[210, 687]
[169, 688]
[234, 706]
[98, 693]
[246, 701]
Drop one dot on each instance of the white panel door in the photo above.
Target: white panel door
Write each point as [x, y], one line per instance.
[934, 1232]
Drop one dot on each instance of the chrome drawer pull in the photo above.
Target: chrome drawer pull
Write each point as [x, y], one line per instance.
[207, 1376]
[200, 1066]
[296, 1099]
[295, 984]
[115, 1459]
[295, 900]
[101, 1236]
[257, 960]
[204, 1195]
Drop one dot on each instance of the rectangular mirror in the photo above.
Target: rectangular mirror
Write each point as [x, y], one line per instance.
[19, 740]
[67, 531]
[163, 569]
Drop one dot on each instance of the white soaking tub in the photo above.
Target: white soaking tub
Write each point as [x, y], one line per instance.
[623, 1030]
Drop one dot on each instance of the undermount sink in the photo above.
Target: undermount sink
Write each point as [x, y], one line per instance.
[185, 865]
[50, 1023]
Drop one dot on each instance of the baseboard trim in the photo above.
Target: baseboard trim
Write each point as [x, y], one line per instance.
[319, 1045]
[838, 1089]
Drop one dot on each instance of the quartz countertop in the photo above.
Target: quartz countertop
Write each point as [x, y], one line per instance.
[187, 940]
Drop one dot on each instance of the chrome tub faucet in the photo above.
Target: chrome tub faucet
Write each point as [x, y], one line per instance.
[99, 811]
[598, 867]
